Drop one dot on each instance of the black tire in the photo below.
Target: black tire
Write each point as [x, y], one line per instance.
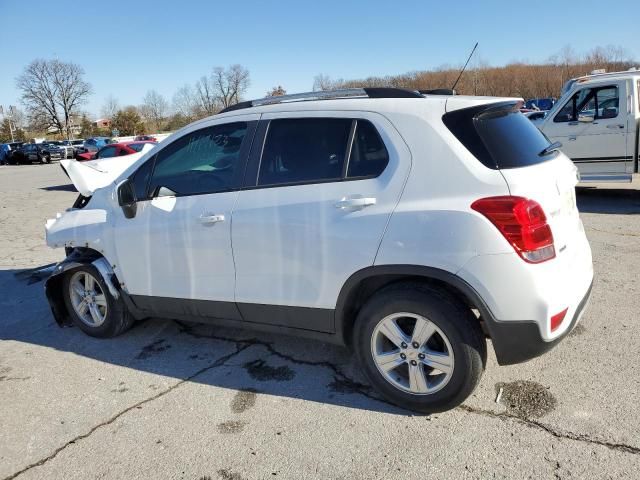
[451, 316]
[45, 159]
[118, 319]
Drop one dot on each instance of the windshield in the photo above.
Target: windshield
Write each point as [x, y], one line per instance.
[498, 135]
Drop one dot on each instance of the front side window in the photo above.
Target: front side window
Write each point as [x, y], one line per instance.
[204, 161]
[600, 102]
[298, 150]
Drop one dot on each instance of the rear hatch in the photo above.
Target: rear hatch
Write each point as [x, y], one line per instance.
[503, 139]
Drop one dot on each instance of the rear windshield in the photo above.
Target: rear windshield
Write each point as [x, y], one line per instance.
[498, 135]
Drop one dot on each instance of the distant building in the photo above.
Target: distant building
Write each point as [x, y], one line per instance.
[102, 123]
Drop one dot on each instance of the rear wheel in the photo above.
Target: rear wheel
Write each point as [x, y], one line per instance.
[420, 347]
[92, 308]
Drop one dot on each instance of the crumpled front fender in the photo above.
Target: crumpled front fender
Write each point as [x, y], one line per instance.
[53, 284]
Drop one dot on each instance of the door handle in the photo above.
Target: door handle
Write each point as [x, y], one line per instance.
[355, 203]
[571, 139]
[615, 127]
[206, 219]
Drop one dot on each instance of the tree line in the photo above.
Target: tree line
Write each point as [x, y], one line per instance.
[516, 79]
[53, 92]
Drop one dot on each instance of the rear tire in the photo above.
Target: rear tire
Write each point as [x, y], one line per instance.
[90, 305]
[438, 353]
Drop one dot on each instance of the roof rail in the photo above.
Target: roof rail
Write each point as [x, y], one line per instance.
[438, 91]
[367, 92]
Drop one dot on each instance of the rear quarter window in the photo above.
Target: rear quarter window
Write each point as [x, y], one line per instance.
[498, 135]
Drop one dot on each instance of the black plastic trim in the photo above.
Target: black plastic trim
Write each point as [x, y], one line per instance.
[316, 319]
[184, 308]
[601, 159]
[517, 342]
[390, 92]
[343, 320]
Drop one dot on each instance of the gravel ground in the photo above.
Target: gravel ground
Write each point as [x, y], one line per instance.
[182, 401]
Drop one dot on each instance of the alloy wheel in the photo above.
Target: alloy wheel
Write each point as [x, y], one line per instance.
[412, 353]
[87, 298]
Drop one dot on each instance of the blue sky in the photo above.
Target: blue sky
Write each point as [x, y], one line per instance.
[129, 47]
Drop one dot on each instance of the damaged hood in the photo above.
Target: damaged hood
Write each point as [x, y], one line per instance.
[87, 177]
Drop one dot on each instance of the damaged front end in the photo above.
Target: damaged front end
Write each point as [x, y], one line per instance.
[53, 286]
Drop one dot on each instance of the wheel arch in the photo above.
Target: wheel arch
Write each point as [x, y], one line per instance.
[77, 258]
[364, 283]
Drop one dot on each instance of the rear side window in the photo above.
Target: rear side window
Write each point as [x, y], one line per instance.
[498, 135]
[304, 150]
[369, 156]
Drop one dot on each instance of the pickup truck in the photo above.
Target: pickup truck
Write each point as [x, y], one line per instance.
[597, 120]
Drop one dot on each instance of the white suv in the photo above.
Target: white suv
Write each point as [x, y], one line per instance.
[407, 226]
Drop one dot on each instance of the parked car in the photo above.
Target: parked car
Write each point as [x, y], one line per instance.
[406, 227]
[75, 145]
[65, 147]
[9, 148]
[93, 144]
[4, 153]
[114, 150]
[145, 138]
[540, 103]
[596, 121]
[35, 152]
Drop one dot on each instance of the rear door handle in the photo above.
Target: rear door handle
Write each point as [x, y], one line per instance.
[355, 203]
[208, 219]
[615, 127]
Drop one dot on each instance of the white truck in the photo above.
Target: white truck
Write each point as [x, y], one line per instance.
[597, 120]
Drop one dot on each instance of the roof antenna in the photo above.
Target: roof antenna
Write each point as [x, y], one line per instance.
[465, 66]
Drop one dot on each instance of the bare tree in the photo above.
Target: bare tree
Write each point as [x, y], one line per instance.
[110, 107]
[230, 84]
[323, 82]
[154, 108]
[52, 91]
[276, 92]
[185, 103]
[205, 95]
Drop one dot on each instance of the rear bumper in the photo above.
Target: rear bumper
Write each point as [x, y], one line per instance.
[517, 342]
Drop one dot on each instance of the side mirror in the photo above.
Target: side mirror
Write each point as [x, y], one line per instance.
[127, 198]
[586, 117]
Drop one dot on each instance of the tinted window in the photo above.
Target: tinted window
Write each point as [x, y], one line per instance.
[136, 146]
[369, 156]
[498, 135]
[200, 162]
[107, 152]
[141, 179]
[304, 150]
[597, 102]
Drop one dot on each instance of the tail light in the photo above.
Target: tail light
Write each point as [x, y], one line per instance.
[523, 223]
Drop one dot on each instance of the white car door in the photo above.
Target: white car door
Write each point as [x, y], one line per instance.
[174, 255]
[314, 213]
[592, 127]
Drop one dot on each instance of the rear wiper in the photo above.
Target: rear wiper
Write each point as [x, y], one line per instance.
[550, 149]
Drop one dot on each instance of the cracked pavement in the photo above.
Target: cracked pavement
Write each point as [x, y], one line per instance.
[184, 401]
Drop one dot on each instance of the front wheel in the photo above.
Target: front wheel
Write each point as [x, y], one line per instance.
[90, 305]
[420, 347]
